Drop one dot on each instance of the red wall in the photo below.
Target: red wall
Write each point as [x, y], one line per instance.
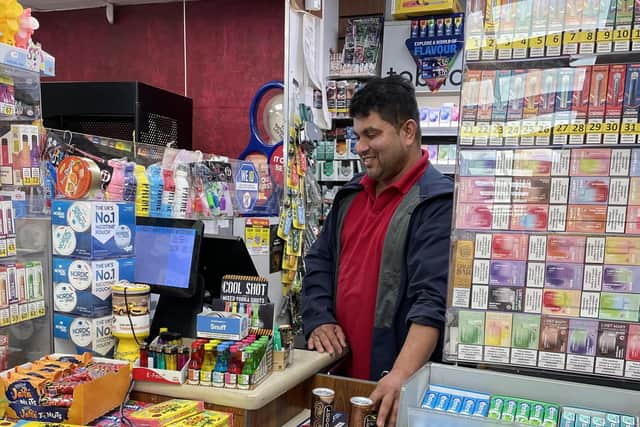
[233, 47]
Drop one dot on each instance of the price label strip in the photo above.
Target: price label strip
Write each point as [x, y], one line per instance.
[570, 43]
[604, 39]
[554, 44]
[587, 41]
[621, 39]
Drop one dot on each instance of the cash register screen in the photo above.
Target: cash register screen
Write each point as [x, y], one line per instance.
[164, 255]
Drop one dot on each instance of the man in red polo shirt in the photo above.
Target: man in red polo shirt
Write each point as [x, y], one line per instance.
[376, 278]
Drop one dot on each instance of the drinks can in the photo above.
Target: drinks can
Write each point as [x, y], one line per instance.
[322, 407]
[362, 412]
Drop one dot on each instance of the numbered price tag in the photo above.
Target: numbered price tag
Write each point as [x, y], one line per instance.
[473, 43]
[635, 38]
[497, 130]
[630, 128]
[611, 128]
[7, 110]
[512, 130]
[528, 129]
[537, 42]
[553, 40]
[489, 43]
[595, 128]
[571, 37]
[577, 129]
[520, 43]
[587, 36]
[622, 34]
[562, 129]
[543, 129]
[604, 35]
[504, 41]
[467, 130]
[483, 130]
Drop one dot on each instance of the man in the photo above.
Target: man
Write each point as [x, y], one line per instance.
[376, 278]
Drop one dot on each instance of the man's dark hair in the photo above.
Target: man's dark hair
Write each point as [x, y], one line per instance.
[393, 98]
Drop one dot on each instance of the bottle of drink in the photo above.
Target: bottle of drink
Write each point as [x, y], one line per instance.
[244, 379]
[168, 193]
[142, 191]
[221, 365]
[197, 356]
[130, 183]
[208, 365]
[156, 189]
[181, 195]
[235, 367]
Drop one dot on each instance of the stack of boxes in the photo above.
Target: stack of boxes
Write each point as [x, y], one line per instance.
[93, 248]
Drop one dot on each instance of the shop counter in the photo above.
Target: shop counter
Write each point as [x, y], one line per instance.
[281, 396]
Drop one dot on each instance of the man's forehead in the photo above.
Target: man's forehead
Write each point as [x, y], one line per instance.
[371, 122]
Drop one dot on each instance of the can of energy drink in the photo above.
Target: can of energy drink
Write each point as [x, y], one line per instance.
[322, 407]
[362, 412]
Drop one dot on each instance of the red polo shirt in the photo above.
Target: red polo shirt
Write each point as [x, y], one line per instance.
[363, 233]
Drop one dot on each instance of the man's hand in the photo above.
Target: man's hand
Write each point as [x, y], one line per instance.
[386, 397]
[328, 338]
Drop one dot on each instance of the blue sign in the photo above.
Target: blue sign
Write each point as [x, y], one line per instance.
[246, 182]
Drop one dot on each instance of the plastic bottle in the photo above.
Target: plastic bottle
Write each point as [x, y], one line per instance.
[168, 194]
[208, 364]
[221, 365]
[181, 196]
[142, 191]
[244, 379]
[130, 182]
[156, 190]
[197, 356]
[115, 189]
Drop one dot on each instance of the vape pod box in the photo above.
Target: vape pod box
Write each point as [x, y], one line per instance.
[597, 102]
[76, 334]
[624, 20]
[83, 287]
[93, 229]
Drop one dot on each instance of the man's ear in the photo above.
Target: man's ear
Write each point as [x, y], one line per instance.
[409, 130]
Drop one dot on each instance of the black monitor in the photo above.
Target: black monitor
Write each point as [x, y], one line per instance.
[167, 259]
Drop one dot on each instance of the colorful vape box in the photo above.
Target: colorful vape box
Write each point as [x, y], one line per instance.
[589, 190]
[590, 162]
[563, 276]
[539, 17]
[509, 246]
[25, 140]
[477, 163]
[633, 343]
[516, 95]
[506, 298]
[529, 217]
[583, 335]
[548, 91]
[532, 93]
[476, 189]
[471, 327]
[532, 162]
[581, 90]
[75, 334]
[531, 190]
[615, 91]
[634, 191]
[573, 15]
[474, 216]
[620, 278]
[93, 229]
[561, 302]
[590, 12]
[634, 167]
[507, 273]
[633, 220]
[598, 91]
[502, 96]
[562, 248]
[586, 218]
[631, 104]
[84, 287]
[564, 91]
[622, 250]
[470, 93]
[526, 331]
[498, 329]
[620, 306]
[486, 96]
[624, 17]
[554, 334]
[612, 340]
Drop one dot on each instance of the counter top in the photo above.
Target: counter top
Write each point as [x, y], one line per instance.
[305, 365]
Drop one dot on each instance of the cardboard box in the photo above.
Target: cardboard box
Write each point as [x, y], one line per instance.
[581, 90]
[93, 230]
[224, 325]
[404, 8]
[166, 413]
[206, 418]
[486, 95]
[76, 334]
[163, 376]
[83, 287]
[615, 91]
[470, 93]
[501, 94]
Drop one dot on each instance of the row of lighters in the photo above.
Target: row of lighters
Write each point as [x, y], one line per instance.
[515, 410]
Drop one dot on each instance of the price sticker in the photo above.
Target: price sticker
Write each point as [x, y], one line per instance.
[7, 110]
[635, 35]
[628, 128]
[594, 128]
[622, 34]
[504, 41]
[489, 43]
[577, 129]
[587, 36]
[605, 35]
[611, 127]
[554, 40]
[467, 130]
[483, 130]
[528, 129]
[537, 42]
[520, 43]
[497, 130]
[571, 37]
[561, 129]
[543, 129]
[512, 130]
[473, 43]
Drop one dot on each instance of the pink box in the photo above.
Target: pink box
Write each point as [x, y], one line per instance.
[633, 220]
[589, 190]
[633, 343]
[590, 162]
[510, 246]
[476, 189]
[615, 91]
[529, 217]
[634, 191]
[474, 216]
[586, 218]
[581, 84]
[562, 248]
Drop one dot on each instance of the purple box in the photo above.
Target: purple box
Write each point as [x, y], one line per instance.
[507, 273]
[563, 276]
[621, 278]
[583, 335]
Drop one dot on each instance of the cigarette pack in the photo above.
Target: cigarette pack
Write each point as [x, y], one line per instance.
[477, 163]
[476, 189]
[470, 92]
